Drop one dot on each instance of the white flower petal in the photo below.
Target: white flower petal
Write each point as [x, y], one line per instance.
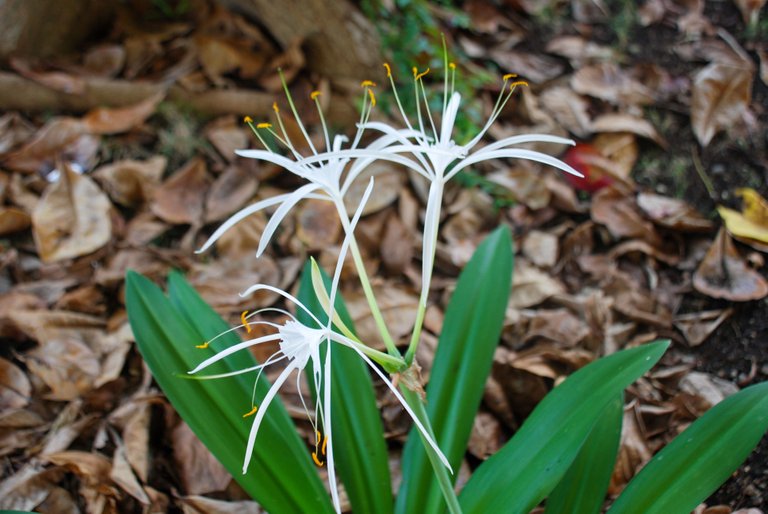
[449, 118]
[284, 294]
[431, 223]
[513, 154]
[291, 200]
[232, 349]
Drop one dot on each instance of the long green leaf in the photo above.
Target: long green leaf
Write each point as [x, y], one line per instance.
[470, 334]
[281, 475]
[360, 448]
[697, 461]
[583, 487]
[530, 465]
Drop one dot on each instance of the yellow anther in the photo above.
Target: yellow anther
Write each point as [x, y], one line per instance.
[389, 70]
[203, 346]
[274, 107]
[264, 126]
[253, 411]
[452, 65]
[325, 443]
[367, 83]
[373, 97]
[314, 94]
[417, 75]
[247, 326]
[318, 462]
[509, 76]
[513, 85]
[247, 119]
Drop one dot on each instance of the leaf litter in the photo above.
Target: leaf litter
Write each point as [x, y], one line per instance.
[605, 263]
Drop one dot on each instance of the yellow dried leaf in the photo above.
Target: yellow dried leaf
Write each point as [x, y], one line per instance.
[741, 226]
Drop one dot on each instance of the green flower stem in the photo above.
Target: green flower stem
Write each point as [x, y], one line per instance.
[367, 289]
[441, 473]
[416, 335]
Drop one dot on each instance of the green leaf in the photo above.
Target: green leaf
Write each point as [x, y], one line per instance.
[582, 489]
[359, 445]
[281, 476]
[470, 334]
[530, 465]
[697, 461]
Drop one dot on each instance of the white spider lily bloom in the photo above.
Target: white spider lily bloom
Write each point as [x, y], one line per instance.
[299, 345]
[323, 170]
[439, 158]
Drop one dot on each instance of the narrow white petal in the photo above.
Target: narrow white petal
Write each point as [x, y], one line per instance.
[431, 223]
[525, 138]
[282, 161]
[328, 426]
[262, 411]
[288, 296]
[449, 118]
[268, 362]
[291, 200]
[514, 154]
[239, 216]
[233, 349]
[410, 412]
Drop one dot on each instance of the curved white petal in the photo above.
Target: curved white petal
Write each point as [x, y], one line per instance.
[284, 294]
[291, 200]
[514, 154]
[525, 138]
[282, 161]
[239, 216]
[258, 367]
[232, 349]
[262, 411]
[431, 223]
[449, 118]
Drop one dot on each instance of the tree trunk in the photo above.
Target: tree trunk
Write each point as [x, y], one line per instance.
[338, 40]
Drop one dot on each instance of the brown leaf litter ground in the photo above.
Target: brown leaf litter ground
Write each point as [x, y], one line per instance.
[668, 102]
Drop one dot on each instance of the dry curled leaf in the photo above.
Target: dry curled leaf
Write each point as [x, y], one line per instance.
[673, 213]
[15, 388]
[131, 182]
[13, 220]
[72, 218]
[608, 82]
[200, 471]
[724, 274]
[229, 192]
[180, 198]
[721, 97]
[104, 120]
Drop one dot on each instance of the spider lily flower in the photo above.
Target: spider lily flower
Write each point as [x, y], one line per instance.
[323, 171]
[436, 156]
[300, 345]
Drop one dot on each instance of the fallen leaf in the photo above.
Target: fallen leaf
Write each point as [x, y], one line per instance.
[568, 108]
[623, 122]
[698, 326]
[227, 135]
[317, 224]
[219, 56]
[707, 389]
[750, 10]
[243, 238]
[200, 471]
[633, 453]
[388, 183]
[397, 247]
[15, 388]
[220, 282]
[229, 192]
[122, 475]
[621, 215]
[724, 274]
[93, 468]
[608, 82]
[580, 51]
[72, 218]
[56, 80]
[744, 230]
[541, 248]
[486, 437]
[531, 286]
[398, 308]
[203, 505]
[60, 138]
[181, 197]
[28, 487]
[131, 182]
[103, 120]
[720, 100]
[673, 213]
[104, 60]
[13, 220]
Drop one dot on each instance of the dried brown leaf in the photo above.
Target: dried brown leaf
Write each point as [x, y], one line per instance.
[673, 213]
[227, 135]
[200, 471]
[608, 82]
[15, 388]
[122, 475]
[71, 219]
[27, 488]
[531, 286]
[568, 108]
[103, 120]
[229, 192]
[181, 197]
[131, 182]
[220, 282]
[56, 80]
[389, 180]
[219, 56]
[203, 505]
[104, 60]
[721, 97]
[317, 224]
[13, 220]
[723, 273]
[60, 138]
[624, 122]
[398, 307]
[541, 248]
[92, 468]
[486, 437]
[621, 215]
[396, 245]
[707, 389]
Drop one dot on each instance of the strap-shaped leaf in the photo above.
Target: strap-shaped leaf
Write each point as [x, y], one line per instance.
[583, 487]
[360, 448]
[696, 462]
[470, 334]
[281, 476]
[530, 465]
